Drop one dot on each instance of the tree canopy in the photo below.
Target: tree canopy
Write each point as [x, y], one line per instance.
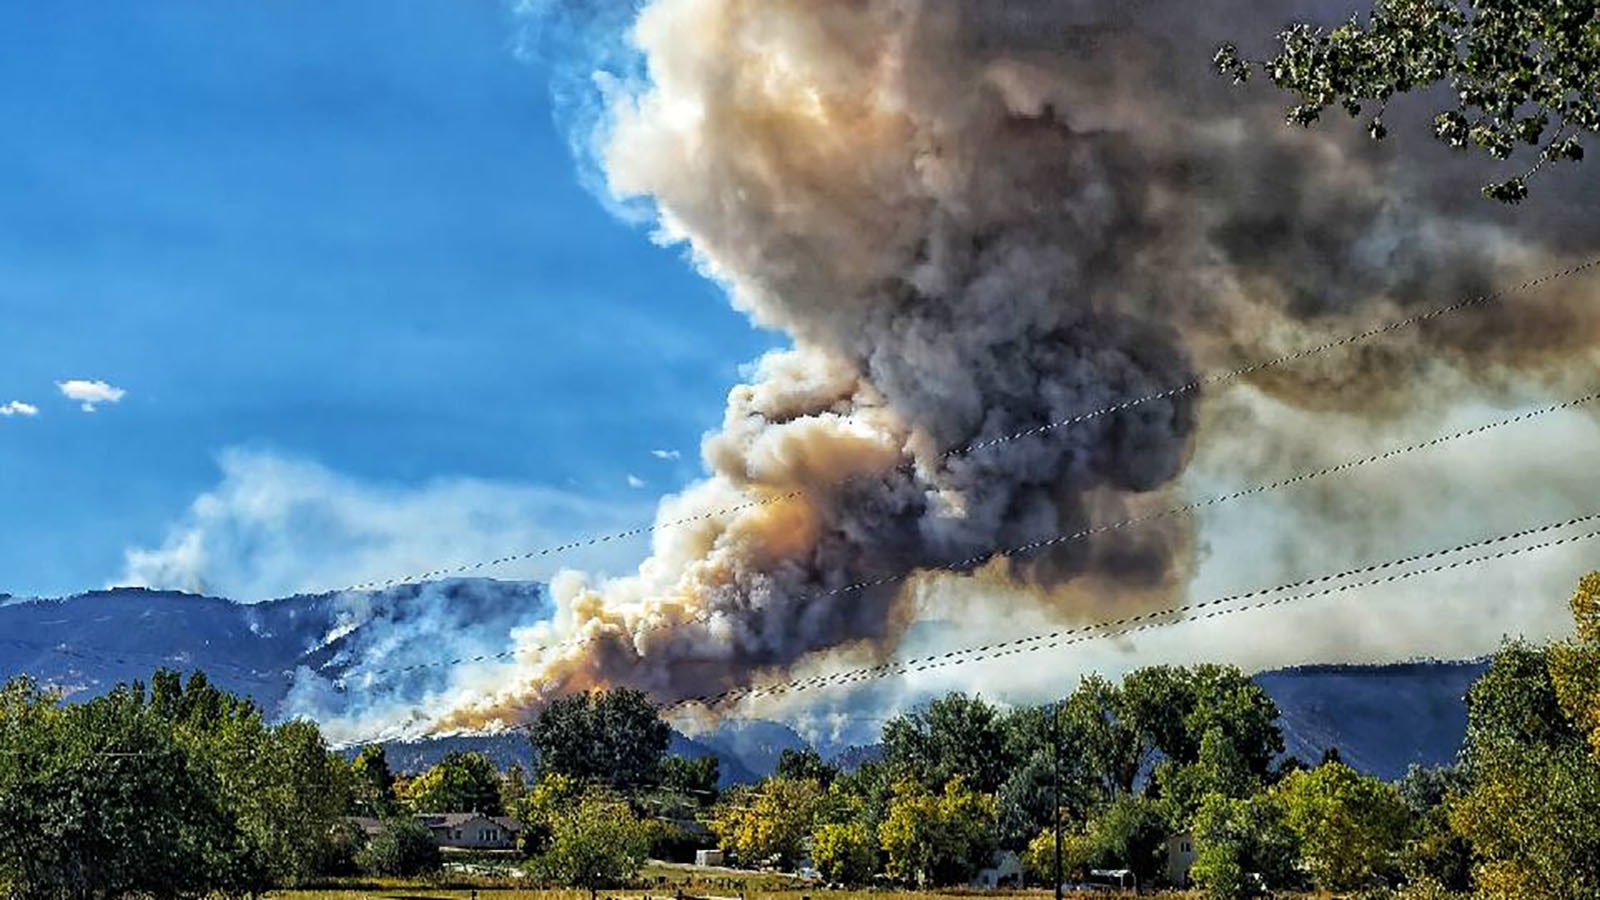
[615, 738]
[1520, 74]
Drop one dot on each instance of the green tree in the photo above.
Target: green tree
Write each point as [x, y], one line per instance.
[596, 843]
[863, 795]
[1235, 837]
[1438, 855]
[614, 738]
[373, 782]
[1575, 664]
[845, 852]
[464, 781]
[1219, 771]
[1351, 827]
[1109, 741]
[99, 799]
[768, 821]
[404, 848]
[806, 763]
[538, 808]
[937, 839]
[696, 777]
[1534, 785]
[279, 783]
[1130, 833]
[513, 786]
[953, 736]
[1520, 73]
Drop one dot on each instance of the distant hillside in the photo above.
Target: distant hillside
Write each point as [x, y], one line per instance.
[411, 757]
[91, 642]
[1382, 718]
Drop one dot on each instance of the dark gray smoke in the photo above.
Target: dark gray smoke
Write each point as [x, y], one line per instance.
[976, 218]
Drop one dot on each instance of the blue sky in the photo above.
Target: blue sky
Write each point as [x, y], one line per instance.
[351, 246]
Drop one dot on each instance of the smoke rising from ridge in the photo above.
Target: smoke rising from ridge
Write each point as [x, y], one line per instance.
[975, 218]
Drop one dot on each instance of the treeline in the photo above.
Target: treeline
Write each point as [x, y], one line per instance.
[182, 790]
[172, 790]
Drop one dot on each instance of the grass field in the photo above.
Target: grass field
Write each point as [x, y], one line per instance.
[425, 891]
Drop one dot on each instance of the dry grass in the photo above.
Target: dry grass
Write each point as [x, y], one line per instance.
[423, 891]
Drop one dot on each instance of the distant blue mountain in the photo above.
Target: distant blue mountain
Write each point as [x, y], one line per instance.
[88, 643]
[1381, 718]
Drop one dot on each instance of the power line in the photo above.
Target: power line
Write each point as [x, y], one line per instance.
[1154, 619]
[1068, 537]
[1219, 377]
[1276, 595]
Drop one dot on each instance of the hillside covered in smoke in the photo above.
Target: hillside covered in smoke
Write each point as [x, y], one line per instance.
[976, 221]
[1381, 718]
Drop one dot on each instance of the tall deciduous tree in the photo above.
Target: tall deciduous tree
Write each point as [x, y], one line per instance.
[695, 777]
[953, 736]
[1575, 664]
[99, 800]
[1352, 827]
[373, 787]
[937, 839]
[1535, 785]
[596, 843]
[1519, 73]
[805, 763]
[769, 821]
[613, 737]
[463, 781]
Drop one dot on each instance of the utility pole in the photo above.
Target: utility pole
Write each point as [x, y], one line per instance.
[1055, 791]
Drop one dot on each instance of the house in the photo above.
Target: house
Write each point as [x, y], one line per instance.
[1180, 857]
[456, 831]
[1005, 870]
[472, 831]
[708, 858]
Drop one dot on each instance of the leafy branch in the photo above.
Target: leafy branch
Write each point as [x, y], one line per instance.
[1524, 74]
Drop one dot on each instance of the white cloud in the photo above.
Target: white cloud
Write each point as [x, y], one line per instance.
[90, 394]
[18, 408]
[666, 454]
[635, 481]
[276, 526]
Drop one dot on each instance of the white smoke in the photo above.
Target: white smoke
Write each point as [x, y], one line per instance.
[275, 526]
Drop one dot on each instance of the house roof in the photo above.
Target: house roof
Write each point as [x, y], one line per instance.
[456, 820]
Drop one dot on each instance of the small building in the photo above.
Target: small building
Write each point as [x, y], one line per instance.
[709, 858]
[1004, 870]
[369, 826]
[1119, 879]
[1180, 858]
[472, 831]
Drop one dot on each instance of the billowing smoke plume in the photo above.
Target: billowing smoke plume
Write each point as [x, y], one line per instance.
[974, 218]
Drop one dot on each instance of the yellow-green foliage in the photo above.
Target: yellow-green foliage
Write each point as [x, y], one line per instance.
[596, 843]
[1575, 665]
[937, 838]
[1351, 826]
[845, 853]
[1039, 860]
[770, 820]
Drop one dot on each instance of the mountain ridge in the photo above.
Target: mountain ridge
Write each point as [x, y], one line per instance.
[1382, 717]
